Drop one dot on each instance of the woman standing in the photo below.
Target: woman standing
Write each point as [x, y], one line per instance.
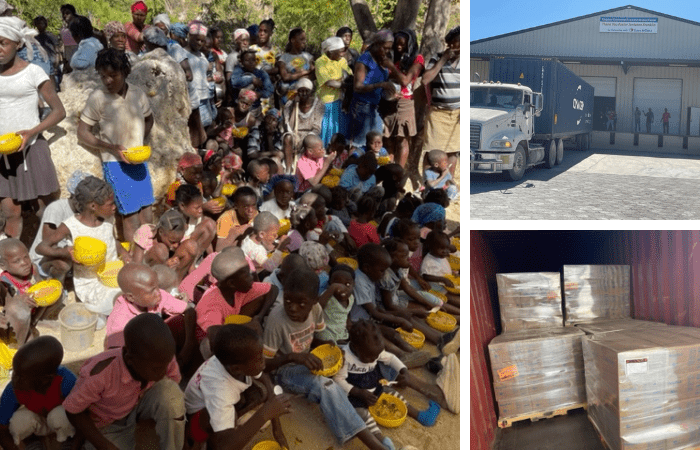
[199, 66]
[134, 29]
[28, 174]
[400, 118]
[371, 78]
[331, 69]
[294, 64]
[265, 52]
[301, 116]
[115, 33]
[69, 45]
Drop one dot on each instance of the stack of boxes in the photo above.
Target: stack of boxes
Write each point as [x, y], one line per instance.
[529, 300]
[596, 292]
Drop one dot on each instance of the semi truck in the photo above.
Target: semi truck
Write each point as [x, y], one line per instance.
[522, 114]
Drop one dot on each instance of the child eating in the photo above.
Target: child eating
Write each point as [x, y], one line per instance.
[164, 243]
[282, 203]
[95, 206]
[287, 339]
[359, 178]
[313, 164]
[200, 229]
[277, 277]
[361, 229]
[435, 265]
[122, 385]
[216, 393]
[438, 175]
[260, 246]
[337, 302]
[233, 223]
[373, 144]
[18, 274]
[31, 402]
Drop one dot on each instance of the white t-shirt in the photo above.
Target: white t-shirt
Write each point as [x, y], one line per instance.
[438, 267]
[121, 119]
[19, 97]
[213, 388]
[272, 206]
[55, 213]
[353, 365]
[259, 255]
[199, 66]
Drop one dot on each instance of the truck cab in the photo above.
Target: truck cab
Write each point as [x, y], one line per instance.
[501, 127]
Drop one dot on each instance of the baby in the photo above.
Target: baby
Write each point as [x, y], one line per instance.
[32, 401]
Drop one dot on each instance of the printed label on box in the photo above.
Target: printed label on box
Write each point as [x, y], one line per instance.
[508, 372]
[551, 295]
[571, 285]
[638, 365]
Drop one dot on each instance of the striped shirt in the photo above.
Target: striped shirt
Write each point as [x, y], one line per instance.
[445, 86]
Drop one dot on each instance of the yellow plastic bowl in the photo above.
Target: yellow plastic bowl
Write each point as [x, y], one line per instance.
[455, 241]
[330, 181]
[383, 160]
[335, 172]
[237, 319]
[332, 359]
[46, 292]
[228, 189]
[138, 155]
[126, 245]
[6, 355]
[454, 262]
[89, 251]
[389, 411]
[352, 262]
[221, 201]
[441, 321]
[285, 226]
[10, 143]
[416, 339]
[108, 273]
[455, 281]
[267, 445]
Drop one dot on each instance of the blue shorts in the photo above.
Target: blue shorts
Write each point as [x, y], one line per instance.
[131, 184]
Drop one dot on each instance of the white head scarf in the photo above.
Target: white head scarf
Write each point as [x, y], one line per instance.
[164, 19]
[332, 43]
[15, 29]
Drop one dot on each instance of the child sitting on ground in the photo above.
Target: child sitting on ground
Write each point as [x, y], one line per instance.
[136, 382]
[339, 205]
[168, 281]
[361, 228]
[233, 223]
[435, 266]
[313, 163]
[317, 258]
[269, 143]
[359, 178]
[339, 145]
[404, 210]
[189, 172]
[366, 362]
[303, 221]
[234, 293]
[373, 260]
[95, 206]
[287, 339]
[282, 203]
[216, 396]
[337, 302]
[260, 246]
[276, 278]
[392, 179]
[373, 144]
[190, 203]
[21, 312]
[328, 228]
[31, 403]
[258, 176]
[438, 175]
[55, 213]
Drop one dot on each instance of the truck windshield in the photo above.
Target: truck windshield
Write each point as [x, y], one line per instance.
[495, 98]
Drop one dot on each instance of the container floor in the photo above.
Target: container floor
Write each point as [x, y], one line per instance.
[572, 432]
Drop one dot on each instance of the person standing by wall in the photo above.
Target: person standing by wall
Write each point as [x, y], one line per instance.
[650, 119]
[664, 119]
[637, 120]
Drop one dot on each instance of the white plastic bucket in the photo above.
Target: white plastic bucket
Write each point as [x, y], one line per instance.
[77, 327]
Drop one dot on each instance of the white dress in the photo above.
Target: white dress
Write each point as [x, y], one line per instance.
[96, 296]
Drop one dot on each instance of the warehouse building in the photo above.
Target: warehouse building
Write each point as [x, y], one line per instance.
[633, 57]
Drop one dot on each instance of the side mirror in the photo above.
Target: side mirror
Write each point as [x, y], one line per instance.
[537, 97]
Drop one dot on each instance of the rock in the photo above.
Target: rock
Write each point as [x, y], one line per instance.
[163, 81]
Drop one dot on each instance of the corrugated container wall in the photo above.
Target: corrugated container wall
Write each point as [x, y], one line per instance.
[482, 412]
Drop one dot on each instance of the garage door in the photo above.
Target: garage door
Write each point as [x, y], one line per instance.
[602, 86]
[657, 94]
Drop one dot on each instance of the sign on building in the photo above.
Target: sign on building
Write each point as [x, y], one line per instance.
[629, 24]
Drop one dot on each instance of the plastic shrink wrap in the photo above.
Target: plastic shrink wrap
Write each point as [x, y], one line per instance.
[594, 292]
[529, 300]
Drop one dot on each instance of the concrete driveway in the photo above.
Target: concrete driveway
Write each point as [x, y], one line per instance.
[595, 185]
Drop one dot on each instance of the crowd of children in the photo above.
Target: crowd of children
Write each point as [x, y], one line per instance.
[274, 216]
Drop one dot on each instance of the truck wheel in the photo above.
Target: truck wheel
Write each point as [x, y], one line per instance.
[519, 164]
[550, 157]
[560, 151]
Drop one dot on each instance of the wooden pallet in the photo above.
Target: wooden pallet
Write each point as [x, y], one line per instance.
[505, 422]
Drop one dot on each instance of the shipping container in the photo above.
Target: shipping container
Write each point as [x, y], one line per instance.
[567, 99]
[664, 282]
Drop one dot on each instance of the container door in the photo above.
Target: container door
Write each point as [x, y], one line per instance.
[659, 94]
[604, 89]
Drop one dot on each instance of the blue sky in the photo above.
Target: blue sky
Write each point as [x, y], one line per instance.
[488, 18]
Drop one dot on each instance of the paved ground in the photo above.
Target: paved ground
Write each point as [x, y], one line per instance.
[595, 185]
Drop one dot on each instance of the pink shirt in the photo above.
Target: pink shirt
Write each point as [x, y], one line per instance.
[307, 168]
[112, 393]
[363, 233]
[124, 311]
[190, 282]
[212, 309]
[131, 34]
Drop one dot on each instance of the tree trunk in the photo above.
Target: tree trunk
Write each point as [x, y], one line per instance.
[405, 15]
[435, 28]
[363, 18]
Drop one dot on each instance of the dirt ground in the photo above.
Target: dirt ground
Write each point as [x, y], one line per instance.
[304, 427]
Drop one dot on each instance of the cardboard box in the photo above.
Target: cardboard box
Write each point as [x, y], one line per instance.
[607, 326]
[530, 300]
[594, 292]
[643, 386]
[537, 371]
